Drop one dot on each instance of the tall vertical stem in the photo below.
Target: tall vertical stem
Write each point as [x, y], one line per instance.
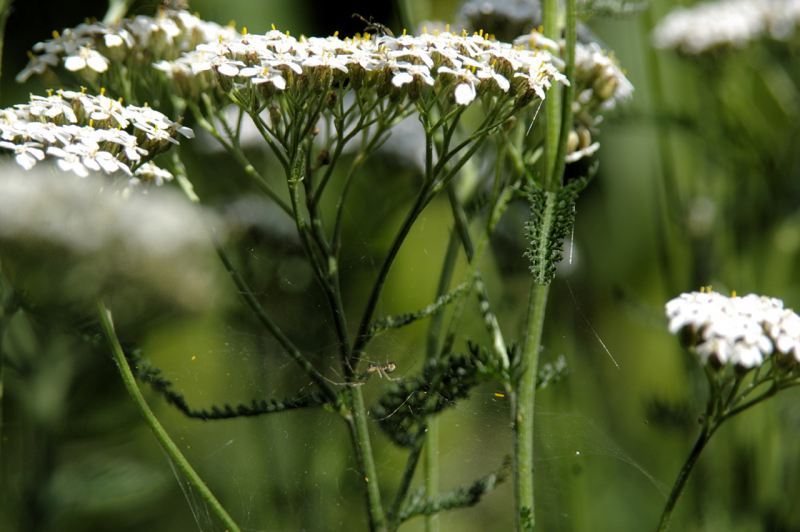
[359, 434]
[524, 396]
[434, 330]
[552, 104]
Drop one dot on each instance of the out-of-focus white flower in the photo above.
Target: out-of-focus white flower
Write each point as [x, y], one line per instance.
[152, 173]
[740, 331]
[37, 64]
[725, 23]
[97, 242]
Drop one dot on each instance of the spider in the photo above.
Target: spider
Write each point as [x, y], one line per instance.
[379, 30]
[382, 370]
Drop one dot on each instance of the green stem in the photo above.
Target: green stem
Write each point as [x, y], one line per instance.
[431, 463]
[524, 396]
[432, 470]
[359, 434]
[474, 266]
[683, 476]
[552, 104]
[116, 10]
[408, 475]
[489, 319]
[271, 326]
[242, 160]
[158, 431]
[325, 266]
[569, 90]
[363, 333]
[406, 14]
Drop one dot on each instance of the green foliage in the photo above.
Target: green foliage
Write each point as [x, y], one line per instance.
[552, 218]
[489, 366]
[151, 375]
[462, 497]
[395, 322]
[403, 409]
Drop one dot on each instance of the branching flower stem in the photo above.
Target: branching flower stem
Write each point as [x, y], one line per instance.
[568, 93]
[723, 405]
[320, 381]
[158, 431]
[116, 10]
[237, 154]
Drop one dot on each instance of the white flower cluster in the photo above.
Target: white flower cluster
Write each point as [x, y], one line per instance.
[725, 23]
[89, 133]
[90, 47]
[600, 85]
[740, 331]
[468, 66]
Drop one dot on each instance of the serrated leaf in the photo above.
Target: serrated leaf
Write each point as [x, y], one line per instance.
[552, 216]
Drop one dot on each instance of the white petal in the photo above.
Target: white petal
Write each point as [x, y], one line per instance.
[74, 63]
[401, 79]
[228, 70]
[97, 62]
[464, 94]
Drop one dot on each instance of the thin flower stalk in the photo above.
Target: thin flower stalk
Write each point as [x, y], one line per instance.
[158, 431]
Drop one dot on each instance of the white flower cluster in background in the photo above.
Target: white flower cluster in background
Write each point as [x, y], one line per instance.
[139, 41]
[466, 66]
[741, 331]
[86, 133]
[726, 23]
[600, 85]
[95, 242]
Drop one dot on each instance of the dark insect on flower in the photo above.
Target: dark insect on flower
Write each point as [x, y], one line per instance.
[375, 28]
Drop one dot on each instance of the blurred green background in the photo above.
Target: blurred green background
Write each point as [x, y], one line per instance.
[698, 185]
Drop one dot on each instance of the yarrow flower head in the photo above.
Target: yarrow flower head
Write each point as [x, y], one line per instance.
[709, 26]
[738, 331]
[132, 44]
[465, 67]
[84, 133]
